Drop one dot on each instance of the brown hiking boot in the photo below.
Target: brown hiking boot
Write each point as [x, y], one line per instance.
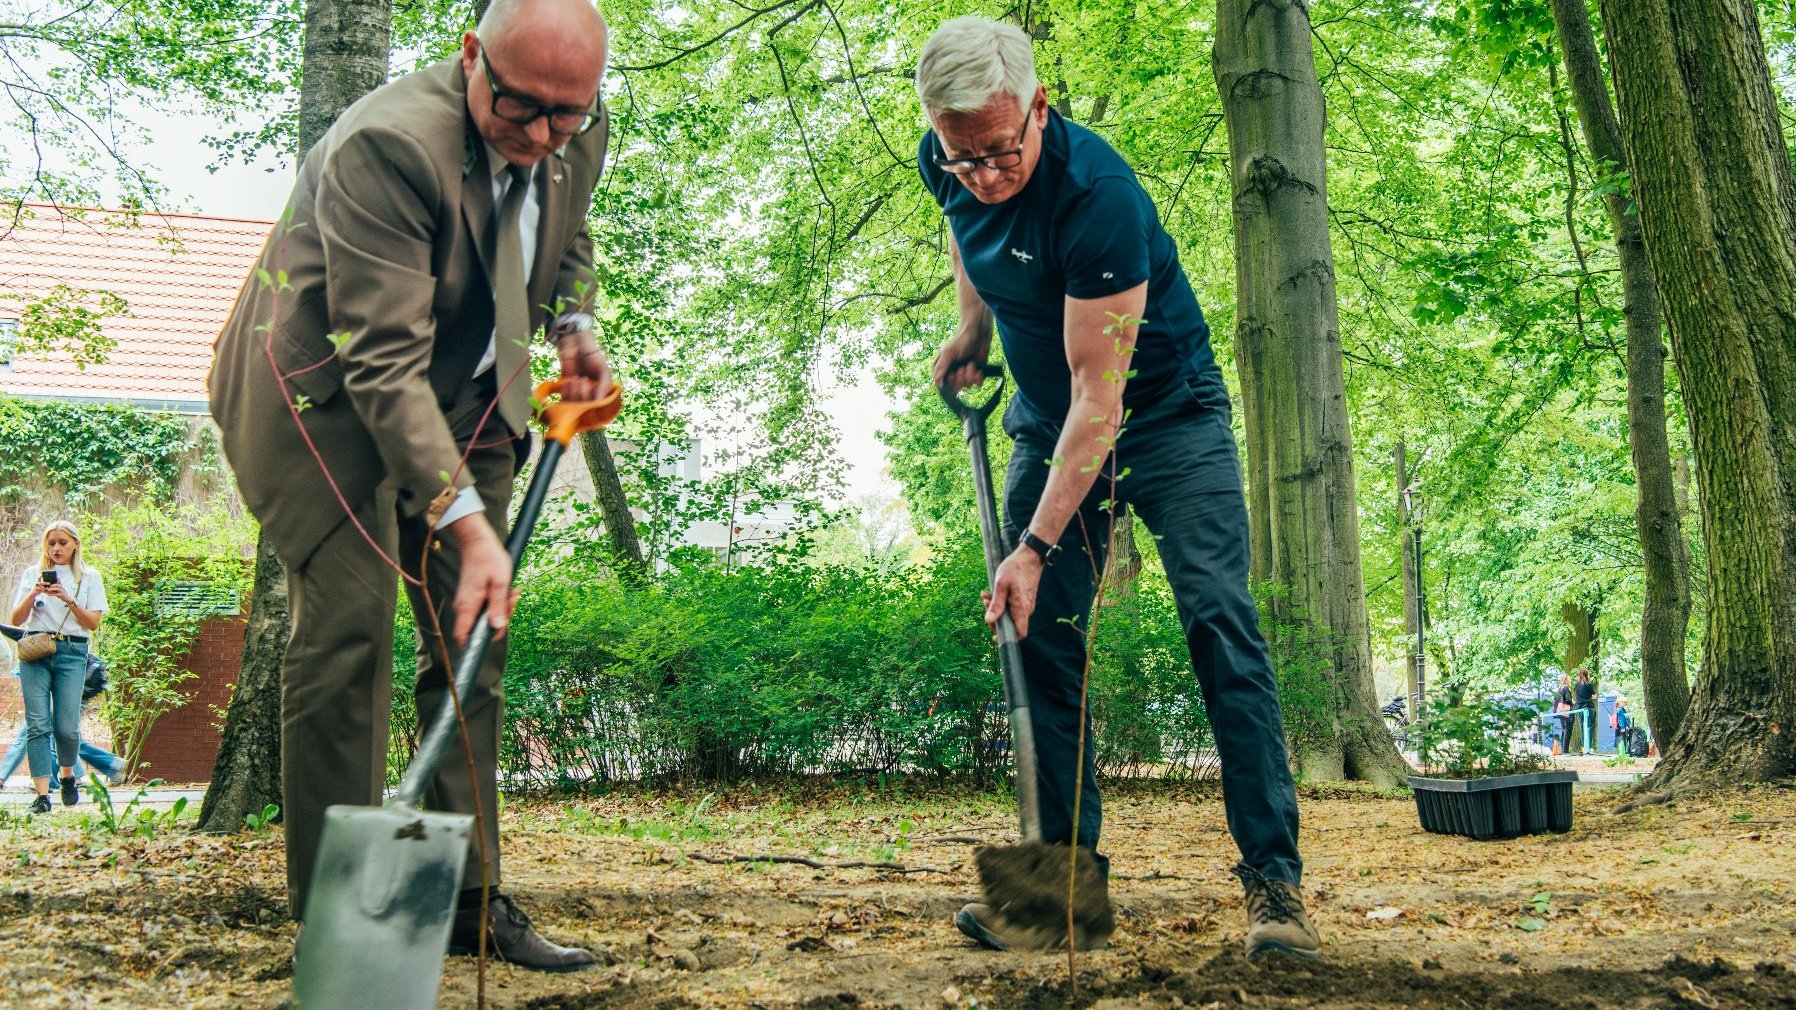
[990, 928]
[1276, 923]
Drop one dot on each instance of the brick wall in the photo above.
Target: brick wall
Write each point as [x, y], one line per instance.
[183, 744]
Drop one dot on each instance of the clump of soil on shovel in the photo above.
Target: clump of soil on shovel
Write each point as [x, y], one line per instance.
[1027, 884]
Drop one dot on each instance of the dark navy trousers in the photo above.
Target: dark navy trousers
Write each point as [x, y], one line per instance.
[1184, 480]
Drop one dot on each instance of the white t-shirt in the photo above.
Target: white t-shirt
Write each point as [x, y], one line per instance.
[89, 593]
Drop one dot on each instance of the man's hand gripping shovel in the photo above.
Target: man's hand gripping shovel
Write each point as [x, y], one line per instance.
[1026, 884]
[383, 895]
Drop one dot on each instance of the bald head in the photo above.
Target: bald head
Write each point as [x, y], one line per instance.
[571, 31]
[537, 53]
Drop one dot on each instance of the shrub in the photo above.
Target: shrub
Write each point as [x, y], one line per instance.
[788, 668]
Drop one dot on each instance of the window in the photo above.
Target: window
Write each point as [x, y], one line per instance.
[9, 342]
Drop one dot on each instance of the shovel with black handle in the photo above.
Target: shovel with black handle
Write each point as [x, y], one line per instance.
[1026, 883]
[383, 895]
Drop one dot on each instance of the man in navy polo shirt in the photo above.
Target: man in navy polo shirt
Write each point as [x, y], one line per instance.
[1054, 240]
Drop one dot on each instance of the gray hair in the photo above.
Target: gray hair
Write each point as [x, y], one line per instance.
[969, 60]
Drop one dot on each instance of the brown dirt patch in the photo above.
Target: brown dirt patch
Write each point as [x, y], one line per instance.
[1678, 907]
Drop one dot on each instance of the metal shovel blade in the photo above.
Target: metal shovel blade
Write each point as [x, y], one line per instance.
[382, 901]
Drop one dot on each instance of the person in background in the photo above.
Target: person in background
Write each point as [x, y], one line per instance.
[1623, 725]
[1562, 711]
[93, 755]
[66, 599]
[1584, 703]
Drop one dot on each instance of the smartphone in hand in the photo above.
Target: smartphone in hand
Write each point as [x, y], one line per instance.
[49, 577]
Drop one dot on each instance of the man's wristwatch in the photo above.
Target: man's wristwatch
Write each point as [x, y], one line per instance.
[1047, 550]
[571, 323]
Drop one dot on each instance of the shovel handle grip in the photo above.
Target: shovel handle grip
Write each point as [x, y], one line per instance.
[982, 409]
[563, 419]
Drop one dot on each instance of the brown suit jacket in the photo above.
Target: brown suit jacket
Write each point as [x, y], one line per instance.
[384, 240]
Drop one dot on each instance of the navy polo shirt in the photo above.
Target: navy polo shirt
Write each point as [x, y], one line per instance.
[1082, 228]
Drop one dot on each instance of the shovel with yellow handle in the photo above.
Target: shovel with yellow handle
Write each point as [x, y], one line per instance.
[383, 894]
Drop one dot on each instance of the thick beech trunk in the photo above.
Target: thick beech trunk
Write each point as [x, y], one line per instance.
[1712, 182]
[345, 58]
[1665, 615]
[1304, 522]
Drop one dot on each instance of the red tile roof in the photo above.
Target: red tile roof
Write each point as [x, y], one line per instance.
[178, 274]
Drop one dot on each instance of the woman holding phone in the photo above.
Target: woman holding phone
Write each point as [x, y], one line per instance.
[65, 599]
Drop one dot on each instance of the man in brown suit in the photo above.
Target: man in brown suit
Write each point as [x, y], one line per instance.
[372, 391]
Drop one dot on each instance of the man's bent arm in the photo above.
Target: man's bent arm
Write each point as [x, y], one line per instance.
[374, 216]
[973, 339]
[1100, 366]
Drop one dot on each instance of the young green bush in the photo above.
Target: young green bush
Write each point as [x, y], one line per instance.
[787, 668]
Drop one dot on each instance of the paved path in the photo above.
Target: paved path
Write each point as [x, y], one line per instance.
[16, 797]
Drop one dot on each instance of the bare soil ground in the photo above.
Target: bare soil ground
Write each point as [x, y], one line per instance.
[1680, 907]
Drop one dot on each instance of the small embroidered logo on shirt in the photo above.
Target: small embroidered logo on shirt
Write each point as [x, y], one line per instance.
[1109, 276]
[1021, 256]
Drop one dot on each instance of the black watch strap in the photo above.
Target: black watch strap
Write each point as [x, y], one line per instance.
[1047, 550]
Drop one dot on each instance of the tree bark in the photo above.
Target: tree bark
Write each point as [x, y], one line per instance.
[620, 524]
[1288, 344]
[345, 57]
[1580, 639]
[1665, 615]
[1413, 613]
[1125, 554]
[1712, 182]
[246, 776]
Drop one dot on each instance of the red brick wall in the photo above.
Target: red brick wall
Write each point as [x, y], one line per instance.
[183, 744]
[12, 703]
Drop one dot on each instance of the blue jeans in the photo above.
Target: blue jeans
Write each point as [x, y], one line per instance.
[1184, 482]
[52, 689]
[96, 757]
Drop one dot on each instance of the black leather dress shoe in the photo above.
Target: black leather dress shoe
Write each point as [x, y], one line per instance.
[512, 939]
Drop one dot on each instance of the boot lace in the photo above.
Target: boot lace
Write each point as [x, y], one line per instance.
[510, 912]
[1265, 899]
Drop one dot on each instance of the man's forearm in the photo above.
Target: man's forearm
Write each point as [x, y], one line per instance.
[1084, 458]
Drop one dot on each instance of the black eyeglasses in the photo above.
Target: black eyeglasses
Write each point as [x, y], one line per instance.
[563, 119]
[1000, 160]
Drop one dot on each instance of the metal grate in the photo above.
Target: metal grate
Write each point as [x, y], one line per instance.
[198, 599]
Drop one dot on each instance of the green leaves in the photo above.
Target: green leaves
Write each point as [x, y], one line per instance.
[78, 450]
[65, 320]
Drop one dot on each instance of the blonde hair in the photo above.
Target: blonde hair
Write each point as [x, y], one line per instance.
[75, 567]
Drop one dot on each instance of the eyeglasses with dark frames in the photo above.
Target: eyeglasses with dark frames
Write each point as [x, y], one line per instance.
[564, 120]
[999, 161]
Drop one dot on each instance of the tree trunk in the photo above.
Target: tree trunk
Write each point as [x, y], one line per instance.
[1665, 615]
[1287, 340]
[620, 524]
[246, 777]
[345, 57]
[1414, 614]
[1712, 182]
[1125, 555]
[1580, 639]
